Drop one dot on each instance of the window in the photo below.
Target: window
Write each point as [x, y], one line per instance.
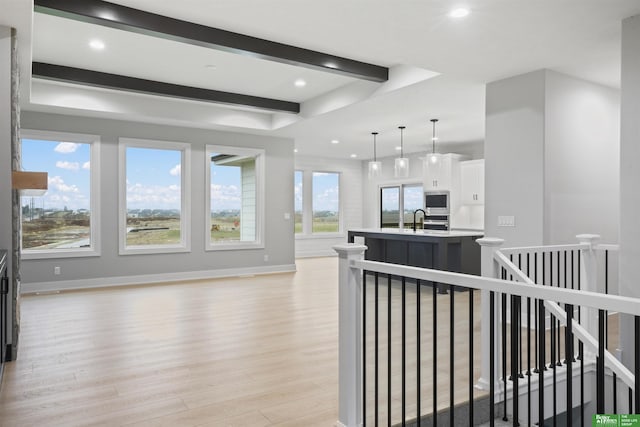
[154, 189]
[326, 202]
[298, 201]
[235, 198]
[64, 222]
[396, 199]
[390, 207]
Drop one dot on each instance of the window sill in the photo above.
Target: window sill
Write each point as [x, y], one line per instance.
[234, 246]
[320, 236]
[53, 254]
[141, 250]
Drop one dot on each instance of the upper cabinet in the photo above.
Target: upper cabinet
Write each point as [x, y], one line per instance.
[472, 179]
[441, 175]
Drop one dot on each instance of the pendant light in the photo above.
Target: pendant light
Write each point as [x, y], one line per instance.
[402, 163]
[434, 157]
[375, 167]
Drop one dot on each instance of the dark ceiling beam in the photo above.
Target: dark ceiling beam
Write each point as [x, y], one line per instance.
[132, 84]
[138, 21]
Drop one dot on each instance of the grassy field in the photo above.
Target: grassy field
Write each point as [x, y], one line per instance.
[51, 232]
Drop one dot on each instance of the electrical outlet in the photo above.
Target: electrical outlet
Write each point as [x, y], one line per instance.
[507, 221]
[287, 215]
[266, 258]
[56, 270]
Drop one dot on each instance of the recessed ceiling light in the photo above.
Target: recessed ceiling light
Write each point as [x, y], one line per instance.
[295, 150]
[398, 148]
[96, 44]
[335, 141]
[353, 156]
[210, 67]
[300, 83]
[460, 12]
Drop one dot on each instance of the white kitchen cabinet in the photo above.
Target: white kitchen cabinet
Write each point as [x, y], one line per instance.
[441, 175]
[472, 180]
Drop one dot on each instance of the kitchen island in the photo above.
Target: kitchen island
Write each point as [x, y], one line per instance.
[454, 250]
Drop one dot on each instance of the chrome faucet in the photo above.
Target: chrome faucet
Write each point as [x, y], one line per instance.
[424, 215]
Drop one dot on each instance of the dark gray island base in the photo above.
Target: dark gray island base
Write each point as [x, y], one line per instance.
[455, 251]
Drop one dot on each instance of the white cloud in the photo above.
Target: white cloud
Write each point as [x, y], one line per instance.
[225, 197]
[141, 196]
[72, 166]
[175, 171]
[86, 165]
[66, 147]
[57, 183]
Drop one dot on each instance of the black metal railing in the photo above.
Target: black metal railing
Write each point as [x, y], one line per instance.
[424, 341]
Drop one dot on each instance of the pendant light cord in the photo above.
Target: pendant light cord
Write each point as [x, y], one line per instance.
[433, 138]
[374, 145]
[401, 141]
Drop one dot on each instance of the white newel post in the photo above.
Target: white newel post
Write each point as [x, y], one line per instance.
[589, 278]
[350, 335]
[489, 268]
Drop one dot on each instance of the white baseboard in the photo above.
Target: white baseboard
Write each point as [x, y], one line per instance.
[107, 282]
[316, 254]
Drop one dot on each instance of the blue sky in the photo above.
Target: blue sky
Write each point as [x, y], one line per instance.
[326, 191]
[68, 166]
[153, 178]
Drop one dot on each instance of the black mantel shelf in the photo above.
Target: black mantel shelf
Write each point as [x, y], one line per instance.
[454, 250]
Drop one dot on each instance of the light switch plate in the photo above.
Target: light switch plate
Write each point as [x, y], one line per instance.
[506, 221]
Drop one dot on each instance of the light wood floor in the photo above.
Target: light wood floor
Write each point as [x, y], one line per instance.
[256, 351]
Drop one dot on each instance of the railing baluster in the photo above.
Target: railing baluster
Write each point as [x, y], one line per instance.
[600, 365]
[568, 342]
[535, 319]
[514, 357]
[418, 358]
[435, 354]
[404, 347]
[492, 360]
[504, 350]
[637, 363]
[552, 320]
[471, 353]
[542, 350]
[364, 348]
[375, 357]
[451, 353]
[389, 351]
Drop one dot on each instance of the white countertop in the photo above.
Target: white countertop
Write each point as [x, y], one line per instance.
[409, 231]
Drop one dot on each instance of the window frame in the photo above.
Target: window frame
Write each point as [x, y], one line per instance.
[401, 189]
[260, 155]
[303, 200]
[185, 196]
[94, 195]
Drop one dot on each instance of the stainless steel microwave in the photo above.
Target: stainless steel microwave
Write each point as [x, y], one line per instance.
[436, 202]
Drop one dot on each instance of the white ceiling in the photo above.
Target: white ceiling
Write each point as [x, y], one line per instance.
[500, 38]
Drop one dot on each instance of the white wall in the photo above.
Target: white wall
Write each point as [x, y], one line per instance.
[551, 159]
[581, 159]
[351, 202]
[630, 175]
[514, 154]
[113, 268]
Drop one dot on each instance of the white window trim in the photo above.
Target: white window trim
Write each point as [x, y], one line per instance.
[185, 196]
[94, 188]
[260, 197]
